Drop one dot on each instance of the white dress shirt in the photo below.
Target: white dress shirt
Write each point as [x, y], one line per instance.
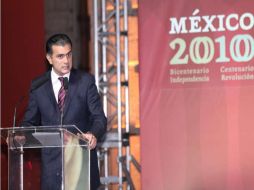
[56, 82]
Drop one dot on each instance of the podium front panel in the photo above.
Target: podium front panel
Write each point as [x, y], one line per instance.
[76, 167]
[27, 146]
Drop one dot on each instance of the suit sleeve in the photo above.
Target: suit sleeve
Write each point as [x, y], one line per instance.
[97, 116]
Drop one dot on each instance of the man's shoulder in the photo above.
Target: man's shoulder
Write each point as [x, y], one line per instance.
[39, 77]
[83, 75]
[39, 80]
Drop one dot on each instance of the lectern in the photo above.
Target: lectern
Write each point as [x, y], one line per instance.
[75, 155]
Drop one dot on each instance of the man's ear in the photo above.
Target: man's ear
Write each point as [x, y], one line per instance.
[49, 59]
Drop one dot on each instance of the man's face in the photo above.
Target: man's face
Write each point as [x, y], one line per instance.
[61, 59]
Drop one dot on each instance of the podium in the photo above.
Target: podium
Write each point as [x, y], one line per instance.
[73, 158]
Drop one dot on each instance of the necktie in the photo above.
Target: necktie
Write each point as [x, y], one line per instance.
[61, 95]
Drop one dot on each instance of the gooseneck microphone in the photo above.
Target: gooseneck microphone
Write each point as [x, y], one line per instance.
[15, 110]
[66, 86]
[35, 84]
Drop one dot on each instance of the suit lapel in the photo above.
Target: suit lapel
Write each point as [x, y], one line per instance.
[73, 84]
[50, 92]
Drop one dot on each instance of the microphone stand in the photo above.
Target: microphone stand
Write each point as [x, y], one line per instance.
[21, 151]
[65, 83]
[11, 138]
[62, 147]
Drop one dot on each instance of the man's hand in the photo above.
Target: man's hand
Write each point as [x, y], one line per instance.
[92, 141]
[20, 139]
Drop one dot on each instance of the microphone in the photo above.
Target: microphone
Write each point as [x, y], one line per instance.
[65, 83]
[15, 110]
[35, 84]
[20, 138]
[66, 86]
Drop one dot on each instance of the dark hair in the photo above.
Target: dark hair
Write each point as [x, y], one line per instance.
[57, 39]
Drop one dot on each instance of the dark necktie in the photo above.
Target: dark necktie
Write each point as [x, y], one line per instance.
[61, 95]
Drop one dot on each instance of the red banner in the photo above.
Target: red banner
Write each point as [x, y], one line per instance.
[197, 94]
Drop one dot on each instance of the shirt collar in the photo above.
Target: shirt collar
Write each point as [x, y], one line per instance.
[55, 76]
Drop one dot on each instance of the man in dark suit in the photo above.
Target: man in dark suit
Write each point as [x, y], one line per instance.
[81, 107]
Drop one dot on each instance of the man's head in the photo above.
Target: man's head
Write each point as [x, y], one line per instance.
[59, 53]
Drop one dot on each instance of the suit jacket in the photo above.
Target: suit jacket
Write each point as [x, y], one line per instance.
[82, 108]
